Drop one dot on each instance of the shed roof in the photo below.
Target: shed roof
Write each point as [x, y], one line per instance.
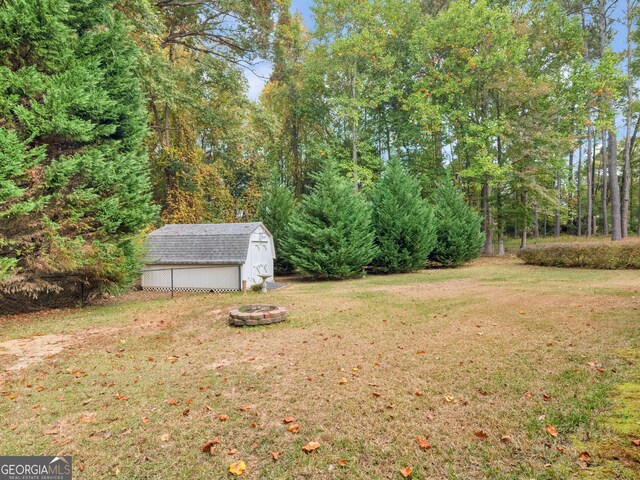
[208, 243]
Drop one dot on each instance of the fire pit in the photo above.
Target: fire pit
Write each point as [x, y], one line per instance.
[252, 315]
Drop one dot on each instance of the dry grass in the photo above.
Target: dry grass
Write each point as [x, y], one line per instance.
[442, 354]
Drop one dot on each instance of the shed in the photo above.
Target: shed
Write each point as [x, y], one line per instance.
[207, 257]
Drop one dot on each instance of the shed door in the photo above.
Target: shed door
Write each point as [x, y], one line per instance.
[260, 260]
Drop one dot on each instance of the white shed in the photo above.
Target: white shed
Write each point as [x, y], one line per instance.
[207, 257]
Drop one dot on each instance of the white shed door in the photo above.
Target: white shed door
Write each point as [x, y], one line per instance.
[260, 253]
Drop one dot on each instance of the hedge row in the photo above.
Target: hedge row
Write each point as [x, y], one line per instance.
[606, 255]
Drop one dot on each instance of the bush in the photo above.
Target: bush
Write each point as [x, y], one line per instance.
[402, 221]
[607, 255]
[458, 235]
[331, 235]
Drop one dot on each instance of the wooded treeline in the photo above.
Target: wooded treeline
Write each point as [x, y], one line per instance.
[118, 115]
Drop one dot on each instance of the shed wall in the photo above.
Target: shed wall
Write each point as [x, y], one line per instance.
[218, 278]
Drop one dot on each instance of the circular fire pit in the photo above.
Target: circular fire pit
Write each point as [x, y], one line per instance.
[251, 315]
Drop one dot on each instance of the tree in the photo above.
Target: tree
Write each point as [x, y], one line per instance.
[275, 209]
[331, 237]
[458, 235]
[74, 182]
[402, 221]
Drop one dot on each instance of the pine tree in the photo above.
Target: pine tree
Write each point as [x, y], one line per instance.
[331, 236]
[458, 235]
[275, 209]
[74, 187]
[402, 221]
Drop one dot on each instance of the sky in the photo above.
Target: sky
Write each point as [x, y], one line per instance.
[262, 69]
[257, 80]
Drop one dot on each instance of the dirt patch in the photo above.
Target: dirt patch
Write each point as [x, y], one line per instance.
[22, 352]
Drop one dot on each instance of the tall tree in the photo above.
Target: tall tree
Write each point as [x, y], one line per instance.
[331, 236]
[402, 221]
[74, 180]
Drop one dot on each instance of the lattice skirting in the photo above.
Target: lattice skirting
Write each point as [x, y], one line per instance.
[189, 289]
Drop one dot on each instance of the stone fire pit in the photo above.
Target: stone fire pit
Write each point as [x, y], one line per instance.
[251, 315]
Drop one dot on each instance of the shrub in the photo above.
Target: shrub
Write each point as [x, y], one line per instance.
[458, 235]
[607, 255]
[331, 235]
[402, 221]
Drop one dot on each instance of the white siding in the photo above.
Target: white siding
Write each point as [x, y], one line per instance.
[219, 278]
[259, 257]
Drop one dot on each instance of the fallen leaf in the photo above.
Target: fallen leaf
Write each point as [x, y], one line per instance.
[481, 434]
[120, 397]
[551, 430]
[420, 352]
[449, 398]
[165, 437]
[237, 468]
[222, 417]
[245, 408]
[172, 402]
[210, 445]
[295, 428]
[233, 451]
[423, 443]
[342, 381]
[289, 419]
[636, 442]
[376, 394]
[145, 419]
[311, 446]
[585, 457]
[506, 439]
[276, 455]
[342, 462]
[12, 427]
[185, 412]
[81, 467]
[39, 388]
[528, 394]
[88, 419]
[406, 472]
[546, 398]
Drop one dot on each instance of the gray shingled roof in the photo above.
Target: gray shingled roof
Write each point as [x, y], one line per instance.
[213, 243]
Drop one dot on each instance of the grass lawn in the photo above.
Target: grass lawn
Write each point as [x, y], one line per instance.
[477, 360]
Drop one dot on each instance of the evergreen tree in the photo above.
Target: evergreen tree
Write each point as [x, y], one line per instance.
[331, 235]
[458, 235]
[74, 184]
[402, 221]
[275, 209]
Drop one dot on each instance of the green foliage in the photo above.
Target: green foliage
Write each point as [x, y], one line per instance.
[611, 256]
[74, 183]
[458, 235]
[275, 209]
[402, 221]
[331, 235]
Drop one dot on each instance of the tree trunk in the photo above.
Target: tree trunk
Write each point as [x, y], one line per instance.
[589, 183]
[525, 201]
[488, 220]
[556, 231]
[626, 171]
[578, 190]
[354, 138]
[536, 224]
[605, 213]
[616, 230]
